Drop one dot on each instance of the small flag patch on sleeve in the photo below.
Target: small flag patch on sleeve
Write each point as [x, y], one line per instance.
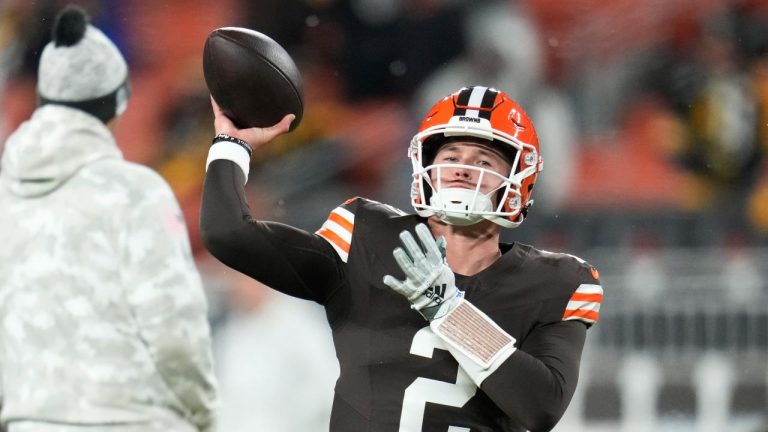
[337, 231]
[584, 304]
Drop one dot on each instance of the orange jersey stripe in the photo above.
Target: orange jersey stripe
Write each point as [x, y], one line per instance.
[347, 225]
[597, 298]
[334, 238]
[581, 313]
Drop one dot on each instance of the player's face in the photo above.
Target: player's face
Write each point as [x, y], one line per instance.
[471, 154]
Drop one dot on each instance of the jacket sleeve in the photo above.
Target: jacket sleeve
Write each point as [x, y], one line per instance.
[165, 295]
[2, 392]
[282, 257]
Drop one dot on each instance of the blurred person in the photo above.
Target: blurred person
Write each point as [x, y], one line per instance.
[24, 28]
[389, 46]
[715, 108]
[460, 332]
[757, 202]
[284, 21]
[24, 34]
[102, 313]
[184, 123]
[272, 356]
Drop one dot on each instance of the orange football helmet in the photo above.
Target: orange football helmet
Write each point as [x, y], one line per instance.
[488, 114]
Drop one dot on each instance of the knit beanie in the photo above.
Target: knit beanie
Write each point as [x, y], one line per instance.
[81, 68]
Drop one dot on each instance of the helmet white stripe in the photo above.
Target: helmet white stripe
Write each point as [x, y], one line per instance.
[476, 100]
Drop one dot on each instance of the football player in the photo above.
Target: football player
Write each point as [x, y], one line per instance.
[438, 326]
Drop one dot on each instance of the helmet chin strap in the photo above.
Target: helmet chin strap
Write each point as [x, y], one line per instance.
[455, 206]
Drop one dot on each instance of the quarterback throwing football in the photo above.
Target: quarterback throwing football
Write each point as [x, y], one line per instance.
[438, 326]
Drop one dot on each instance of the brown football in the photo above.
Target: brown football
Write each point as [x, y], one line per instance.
[252, 78]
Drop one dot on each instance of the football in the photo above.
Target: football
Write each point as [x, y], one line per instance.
[252, 78]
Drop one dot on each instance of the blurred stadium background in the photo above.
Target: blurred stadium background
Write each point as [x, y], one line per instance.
[653, 119]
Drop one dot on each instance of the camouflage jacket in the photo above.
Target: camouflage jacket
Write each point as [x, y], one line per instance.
[102, 311]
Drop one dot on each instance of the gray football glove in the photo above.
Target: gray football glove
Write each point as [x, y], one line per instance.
[429, 283]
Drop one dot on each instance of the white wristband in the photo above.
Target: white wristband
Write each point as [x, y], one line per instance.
[230, 151]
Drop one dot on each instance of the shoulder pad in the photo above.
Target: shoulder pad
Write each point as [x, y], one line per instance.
[587, 295]
[338, 228]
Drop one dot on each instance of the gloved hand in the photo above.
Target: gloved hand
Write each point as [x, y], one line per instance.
[429, 283]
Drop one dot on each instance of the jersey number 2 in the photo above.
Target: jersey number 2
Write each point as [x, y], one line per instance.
[423, 390]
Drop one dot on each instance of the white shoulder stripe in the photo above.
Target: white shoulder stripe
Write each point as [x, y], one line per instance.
[346, 214]
[337, 230]
[589, 289]
[583, 305]
[589, 321]
[340, 231]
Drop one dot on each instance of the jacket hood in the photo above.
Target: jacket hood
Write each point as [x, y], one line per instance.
[46, 150]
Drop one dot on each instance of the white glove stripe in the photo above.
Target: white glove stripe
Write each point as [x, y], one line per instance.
[405, 263]
[419, 260]
[433, 253]
[396, 285]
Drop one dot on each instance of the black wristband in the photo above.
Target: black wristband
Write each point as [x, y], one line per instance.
[238, 141]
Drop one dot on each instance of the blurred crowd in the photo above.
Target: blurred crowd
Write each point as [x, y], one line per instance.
[652, 114]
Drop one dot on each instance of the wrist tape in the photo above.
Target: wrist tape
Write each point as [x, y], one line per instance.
[474, 334]
[224, 137]
[232, 149]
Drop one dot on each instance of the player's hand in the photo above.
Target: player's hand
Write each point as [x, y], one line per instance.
[429, 283]
[255, 136]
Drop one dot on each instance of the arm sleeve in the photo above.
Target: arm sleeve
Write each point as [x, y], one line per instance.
[536, 383]
[284, 258]
[165, 295]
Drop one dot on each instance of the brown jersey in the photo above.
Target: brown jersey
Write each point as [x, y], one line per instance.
[395, 374]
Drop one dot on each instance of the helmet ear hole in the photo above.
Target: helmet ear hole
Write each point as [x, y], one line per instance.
[429, 148]
[524, 211]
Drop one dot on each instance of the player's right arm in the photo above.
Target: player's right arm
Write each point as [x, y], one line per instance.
[282, 257]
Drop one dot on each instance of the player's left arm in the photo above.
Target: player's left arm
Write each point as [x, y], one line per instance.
[535, 384]
[532, 383]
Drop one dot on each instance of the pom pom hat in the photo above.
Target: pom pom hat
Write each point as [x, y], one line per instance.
[81, 68]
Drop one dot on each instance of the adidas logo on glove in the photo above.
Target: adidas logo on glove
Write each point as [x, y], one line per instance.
[436, 293]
